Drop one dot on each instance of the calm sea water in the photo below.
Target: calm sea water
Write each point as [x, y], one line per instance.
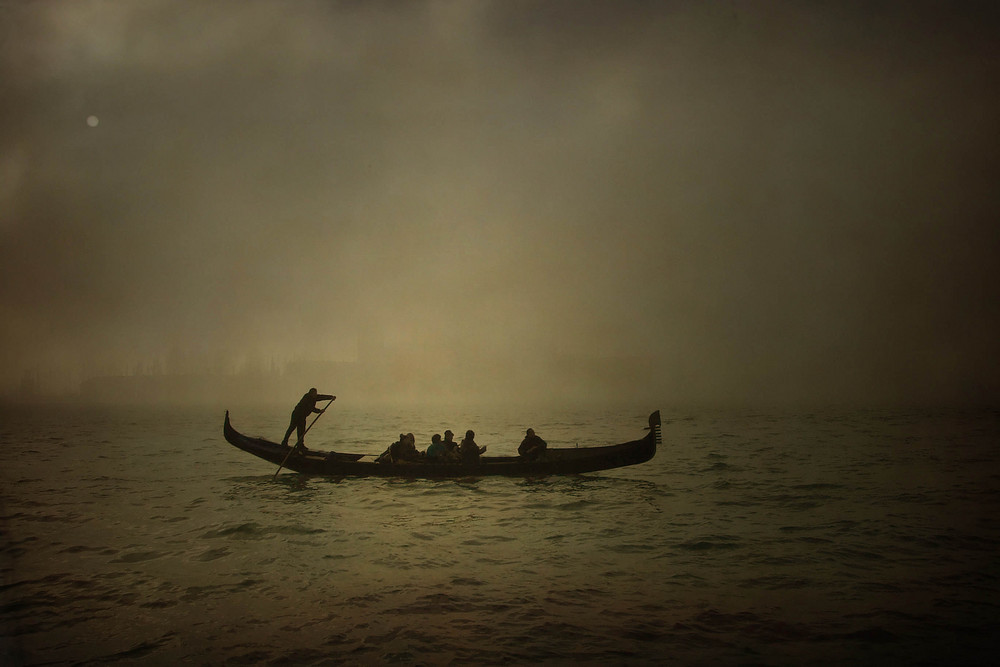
[140, 536]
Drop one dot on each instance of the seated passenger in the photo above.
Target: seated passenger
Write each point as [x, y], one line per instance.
[408, 450]
[391, 454]
[532, 446]
[450, 445]
[436, 451]
[469, 450]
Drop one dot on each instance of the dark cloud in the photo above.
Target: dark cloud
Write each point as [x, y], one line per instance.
[772, 203]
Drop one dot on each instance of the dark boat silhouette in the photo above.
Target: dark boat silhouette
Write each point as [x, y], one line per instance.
[556, 461]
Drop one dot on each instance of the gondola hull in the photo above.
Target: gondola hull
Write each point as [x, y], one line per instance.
[556, 461]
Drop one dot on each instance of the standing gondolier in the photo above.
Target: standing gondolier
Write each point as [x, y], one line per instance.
[303, 409]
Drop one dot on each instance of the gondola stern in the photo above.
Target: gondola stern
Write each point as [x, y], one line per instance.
[228, 431]
[654, 428]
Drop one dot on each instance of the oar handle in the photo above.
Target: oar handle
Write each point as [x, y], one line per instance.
[318, 416]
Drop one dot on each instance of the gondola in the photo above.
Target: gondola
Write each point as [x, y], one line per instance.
[556, 461]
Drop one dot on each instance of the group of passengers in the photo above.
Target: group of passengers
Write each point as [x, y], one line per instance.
[446, 450]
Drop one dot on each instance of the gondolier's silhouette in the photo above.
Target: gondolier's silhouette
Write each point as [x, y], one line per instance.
[303, 409]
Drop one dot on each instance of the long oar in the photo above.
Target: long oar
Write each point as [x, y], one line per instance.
[303, 437]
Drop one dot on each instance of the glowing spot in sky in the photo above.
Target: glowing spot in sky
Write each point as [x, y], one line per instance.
[93, 121]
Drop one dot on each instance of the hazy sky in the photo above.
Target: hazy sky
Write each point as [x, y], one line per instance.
[772, 200]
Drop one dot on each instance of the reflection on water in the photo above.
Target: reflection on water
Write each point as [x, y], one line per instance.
[779, 538]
